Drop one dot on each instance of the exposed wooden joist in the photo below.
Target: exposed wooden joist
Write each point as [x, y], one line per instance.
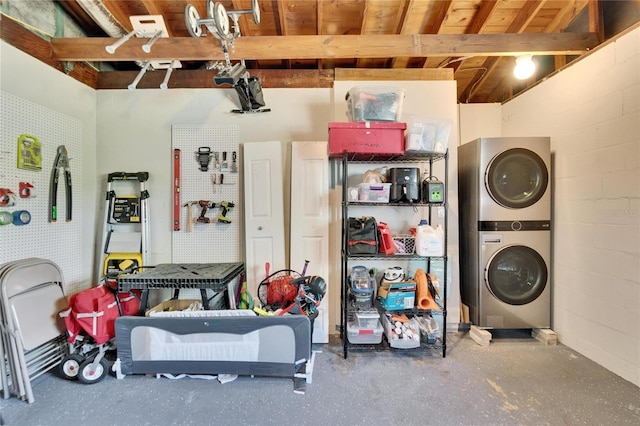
[518, 25]
[596, 19]
[325, 46]
[194, 79]
[404, 74]
[476, 26]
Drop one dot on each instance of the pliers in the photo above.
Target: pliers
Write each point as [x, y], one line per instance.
[62, 162]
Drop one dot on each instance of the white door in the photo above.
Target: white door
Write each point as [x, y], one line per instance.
[310, 220]
[263, 210]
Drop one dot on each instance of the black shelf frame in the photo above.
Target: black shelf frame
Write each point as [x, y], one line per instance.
[413, 157]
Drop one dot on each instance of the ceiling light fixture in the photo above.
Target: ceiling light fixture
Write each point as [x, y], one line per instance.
[525, 67]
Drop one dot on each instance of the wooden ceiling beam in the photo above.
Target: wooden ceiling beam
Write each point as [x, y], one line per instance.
[197, 79]
[326, 47]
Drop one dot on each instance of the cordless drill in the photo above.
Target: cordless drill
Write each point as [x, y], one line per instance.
[205, 205]
[225, 206]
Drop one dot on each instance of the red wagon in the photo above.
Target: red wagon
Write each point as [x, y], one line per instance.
[90, 322]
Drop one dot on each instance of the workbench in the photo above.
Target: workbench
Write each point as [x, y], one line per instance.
[177, 276]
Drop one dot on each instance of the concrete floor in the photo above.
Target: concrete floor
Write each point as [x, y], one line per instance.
[511, 381]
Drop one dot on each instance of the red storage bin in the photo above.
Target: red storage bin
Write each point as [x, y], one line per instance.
[369, 137]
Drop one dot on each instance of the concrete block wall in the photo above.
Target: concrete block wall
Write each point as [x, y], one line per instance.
[591, 111]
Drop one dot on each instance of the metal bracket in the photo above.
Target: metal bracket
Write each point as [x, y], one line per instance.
[152, 27]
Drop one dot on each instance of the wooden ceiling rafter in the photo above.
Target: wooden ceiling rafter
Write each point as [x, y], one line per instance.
[380, 17]
[477, 26]
[517, 26]
[313, 37]
[282, 29]
[568, 12]
[413, 23]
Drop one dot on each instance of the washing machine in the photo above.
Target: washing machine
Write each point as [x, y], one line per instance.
[514, 269]
[504, 219]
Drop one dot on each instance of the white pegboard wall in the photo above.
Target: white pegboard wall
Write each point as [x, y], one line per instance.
[213, 242]
[60, 241]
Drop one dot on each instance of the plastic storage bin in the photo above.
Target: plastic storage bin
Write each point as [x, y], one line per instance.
[375, 103]
[366, 138]
[364, 336]
[402, 335]
[427, 134]
[368, 319]
[374, 192]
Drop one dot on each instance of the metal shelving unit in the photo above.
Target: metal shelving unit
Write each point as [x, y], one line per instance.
[346, 310]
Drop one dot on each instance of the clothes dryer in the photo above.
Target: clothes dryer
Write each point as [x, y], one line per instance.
[505, 178]
[513, 276]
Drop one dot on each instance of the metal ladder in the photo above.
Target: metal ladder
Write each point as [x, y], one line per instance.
[125, 234]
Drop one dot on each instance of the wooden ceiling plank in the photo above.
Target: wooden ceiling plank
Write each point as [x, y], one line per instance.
[517, 26]
[412, 23]
[380, 17]
[326, 47]
[435, 15]
[441, 11]
[151, 6]
[570, 9]
[477, 25]
[119, 13]
[480, 19]
[378, 74]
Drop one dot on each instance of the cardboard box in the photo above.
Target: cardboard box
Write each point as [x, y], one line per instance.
[397, 296]
[366, 138]
[172, 305]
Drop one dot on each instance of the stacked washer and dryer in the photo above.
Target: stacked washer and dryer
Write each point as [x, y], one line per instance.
[505, 231]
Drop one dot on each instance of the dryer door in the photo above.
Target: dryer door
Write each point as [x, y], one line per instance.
[516, 275]
[516, 178]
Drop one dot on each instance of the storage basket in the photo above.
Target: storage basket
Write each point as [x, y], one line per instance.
[405, 244]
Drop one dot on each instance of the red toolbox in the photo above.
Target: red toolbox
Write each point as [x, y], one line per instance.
[366, 137]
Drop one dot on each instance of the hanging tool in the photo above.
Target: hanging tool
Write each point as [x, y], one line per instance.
[216, 156]
[61, 162]
[176, 189]
[205, 205]
[225, 165]
[189, 206]
[203, 155]
[234, 164]
[225, 206]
